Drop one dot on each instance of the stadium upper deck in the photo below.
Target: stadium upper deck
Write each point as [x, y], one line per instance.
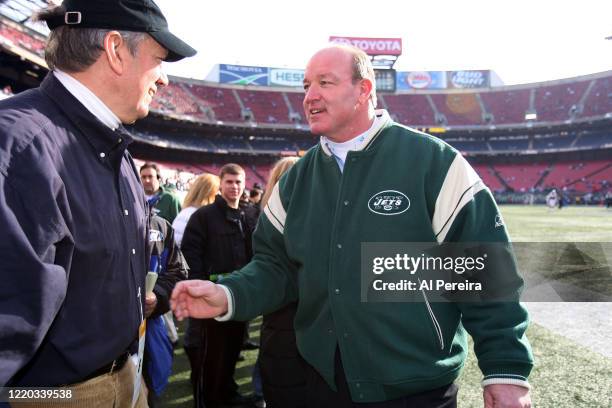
[556, 102]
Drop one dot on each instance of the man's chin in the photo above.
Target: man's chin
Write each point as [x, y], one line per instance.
[141, 113]
[316, 129]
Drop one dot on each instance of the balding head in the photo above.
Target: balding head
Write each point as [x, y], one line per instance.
[358, 62]
[338, 97]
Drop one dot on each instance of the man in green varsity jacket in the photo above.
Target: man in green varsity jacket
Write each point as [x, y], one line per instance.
[161, 201]
[308, 243]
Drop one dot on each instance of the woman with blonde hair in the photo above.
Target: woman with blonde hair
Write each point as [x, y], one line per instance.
[282, 367]
[202, 192]
[277, 171]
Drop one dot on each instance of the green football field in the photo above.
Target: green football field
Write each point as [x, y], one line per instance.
[566, 375]
[570, 224]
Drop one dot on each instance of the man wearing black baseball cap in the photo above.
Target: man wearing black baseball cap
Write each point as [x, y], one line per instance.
[130, 15]
[72, 207]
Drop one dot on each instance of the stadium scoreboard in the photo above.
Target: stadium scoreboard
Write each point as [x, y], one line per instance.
[385, 80]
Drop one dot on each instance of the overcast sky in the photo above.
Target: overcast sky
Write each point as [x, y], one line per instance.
[523, 41]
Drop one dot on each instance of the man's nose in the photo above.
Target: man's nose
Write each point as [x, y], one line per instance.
[312, 93]
[163, 79]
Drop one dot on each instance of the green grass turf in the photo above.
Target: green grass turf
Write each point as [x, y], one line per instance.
[178, 393]
[570, 224]
[566, 374]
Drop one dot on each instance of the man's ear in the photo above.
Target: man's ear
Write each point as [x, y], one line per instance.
[365, 90]
[115, 51]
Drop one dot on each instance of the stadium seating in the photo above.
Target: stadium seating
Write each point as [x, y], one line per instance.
[22, 39]
[230, 143]
[278, 144]
[296, 100]
[305, 144]
[267, 106]
[221, 100]
[174, 98]
[506, 106]
[468, 145]
[553, 103]
[487, 174]
[459, 109]
[599, 100]
[521, 177]
[411, 110]
[564, 174]
[554, 142]
[594, 140]
[509, 144]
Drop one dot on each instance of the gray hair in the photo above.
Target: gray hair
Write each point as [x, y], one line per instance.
[76, 49]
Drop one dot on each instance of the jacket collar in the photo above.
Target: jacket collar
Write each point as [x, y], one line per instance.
[222, 204]
[108, 144]
[381, 121]
[90, 100]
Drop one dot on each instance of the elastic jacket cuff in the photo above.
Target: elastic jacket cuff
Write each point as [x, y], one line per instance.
[230, 305]
[518, 380]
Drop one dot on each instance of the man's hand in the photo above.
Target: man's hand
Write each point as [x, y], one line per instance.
[199, 299]
[150, 303]
[506, 396]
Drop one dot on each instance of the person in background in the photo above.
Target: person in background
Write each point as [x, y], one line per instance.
[552, 198]
[72, 209]
[244, 199]
[282, 368]
[161, 200]
[168, 262]
[217, 240]
[255, 198]
[203, 191]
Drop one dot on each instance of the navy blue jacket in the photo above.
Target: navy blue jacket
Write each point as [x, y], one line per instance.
[72, 240]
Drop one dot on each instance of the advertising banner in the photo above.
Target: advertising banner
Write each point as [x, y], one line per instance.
[286, 77]
[372, 46]
[421, 80]
[243, 75]
[469, 79]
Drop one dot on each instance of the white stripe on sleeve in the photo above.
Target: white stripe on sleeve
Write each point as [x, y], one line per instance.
[274, 210]
[459, 187]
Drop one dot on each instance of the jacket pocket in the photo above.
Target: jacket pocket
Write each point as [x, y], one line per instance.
[434, 322]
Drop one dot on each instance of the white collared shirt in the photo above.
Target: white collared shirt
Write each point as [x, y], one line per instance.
[91, 102]
[340, 150]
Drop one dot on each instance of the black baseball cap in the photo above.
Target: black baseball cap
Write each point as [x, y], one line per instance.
[129, 15]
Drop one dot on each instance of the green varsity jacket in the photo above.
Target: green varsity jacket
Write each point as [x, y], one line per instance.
[307, 248]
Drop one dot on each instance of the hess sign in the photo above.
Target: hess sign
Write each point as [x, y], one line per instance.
[385, 80]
